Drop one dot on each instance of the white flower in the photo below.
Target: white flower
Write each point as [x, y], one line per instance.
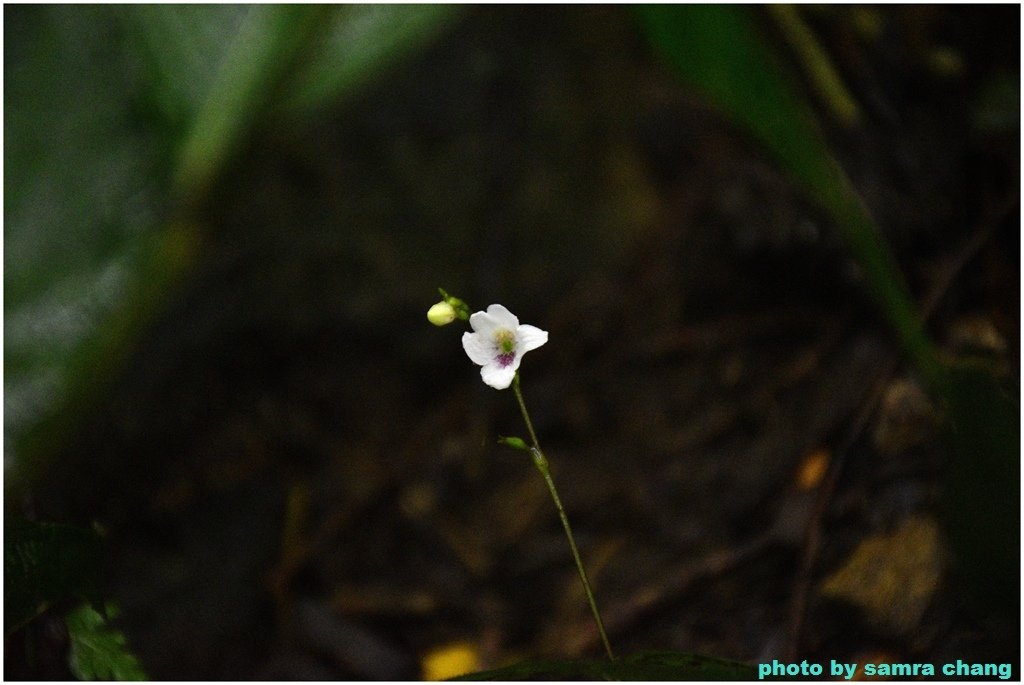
[498, 344]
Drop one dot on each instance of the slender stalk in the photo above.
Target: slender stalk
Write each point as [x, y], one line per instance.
[541, 462]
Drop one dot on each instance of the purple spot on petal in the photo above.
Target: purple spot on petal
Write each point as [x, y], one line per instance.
[506, 359]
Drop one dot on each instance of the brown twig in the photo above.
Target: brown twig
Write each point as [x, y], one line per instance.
[623, 615]
[814, 528]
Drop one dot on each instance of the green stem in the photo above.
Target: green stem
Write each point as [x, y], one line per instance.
[541, 462]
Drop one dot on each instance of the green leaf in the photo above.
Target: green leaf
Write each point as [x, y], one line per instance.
[98, 651]
[87, 254]
[263, 50]
[514, 442]
[179, 49]
[357, 44]
[47, 563]
[286, 63]
[119, 119]
[681, 666]
[719, 50]
[982, 488]
[649, 666]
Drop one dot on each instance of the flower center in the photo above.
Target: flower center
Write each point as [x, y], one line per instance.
[505, 341]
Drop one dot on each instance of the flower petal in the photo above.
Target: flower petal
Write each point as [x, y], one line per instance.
[479, 347]
[488, 344]
[529, 338]
[483, 323]
[499, 377]
[504, 317]
[494, 318]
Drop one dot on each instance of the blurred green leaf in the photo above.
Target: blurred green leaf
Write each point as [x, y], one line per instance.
[292, 61]
[719, 50]
[98, 651]
[265, 48]
[648, 666]
[982, 487]
[47, 563]
[358, 43]
[119, 121]
[84, 254]
[180, 49]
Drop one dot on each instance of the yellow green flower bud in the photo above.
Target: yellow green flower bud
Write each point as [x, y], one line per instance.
[441, 314]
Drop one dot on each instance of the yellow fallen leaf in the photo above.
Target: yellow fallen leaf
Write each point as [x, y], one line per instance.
[892, 577]
[449, 661]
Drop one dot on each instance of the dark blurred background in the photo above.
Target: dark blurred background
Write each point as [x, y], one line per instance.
[224, 226]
